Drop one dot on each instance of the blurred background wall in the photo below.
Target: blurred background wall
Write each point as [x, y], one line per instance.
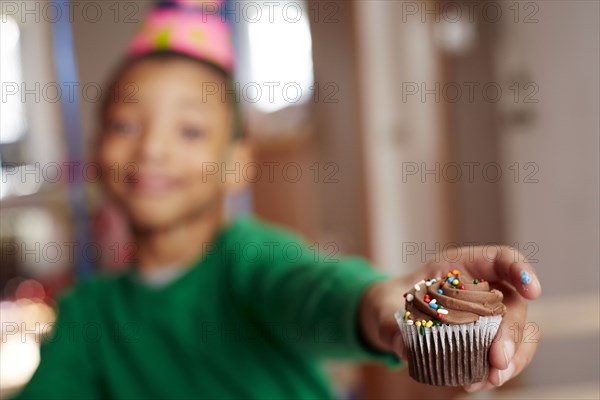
[424, 125]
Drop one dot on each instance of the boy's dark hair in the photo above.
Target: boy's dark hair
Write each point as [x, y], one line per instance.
[238, 130]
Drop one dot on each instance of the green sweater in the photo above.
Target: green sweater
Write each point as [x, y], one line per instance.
[251, 319]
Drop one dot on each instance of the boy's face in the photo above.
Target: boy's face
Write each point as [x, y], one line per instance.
[162, 140]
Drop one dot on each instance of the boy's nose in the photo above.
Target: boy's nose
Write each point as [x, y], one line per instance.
[152, 146]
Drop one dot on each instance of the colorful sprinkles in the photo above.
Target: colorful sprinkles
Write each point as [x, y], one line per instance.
[452, 280]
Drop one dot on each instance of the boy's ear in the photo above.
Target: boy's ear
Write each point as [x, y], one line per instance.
[242, 170]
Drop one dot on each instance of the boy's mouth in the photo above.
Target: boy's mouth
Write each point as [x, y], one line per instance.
[151, 184]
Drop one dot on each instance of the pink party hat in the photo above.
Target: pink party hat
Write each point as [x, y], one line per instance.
[195, 28]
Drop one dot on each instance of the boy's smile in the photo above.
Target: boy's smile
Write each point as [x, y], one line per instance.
[152, 184]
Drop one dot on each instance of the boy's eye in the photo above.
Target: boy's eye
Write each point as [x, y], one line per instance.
[122, 127]
[190, 132]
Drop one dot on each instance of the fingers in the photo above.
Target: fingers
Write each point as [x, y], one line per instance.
[494, 264]
[399, 347]
[479, 386]
[390, 300]
[377, 321]
[498, 377]
[524, 344]
[511, 264]
[521, 359]
[501, 263]
[388, 332]
[507, 339]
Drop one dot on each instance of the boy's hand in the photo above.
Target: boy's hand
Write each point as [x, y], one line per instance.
[506, 270]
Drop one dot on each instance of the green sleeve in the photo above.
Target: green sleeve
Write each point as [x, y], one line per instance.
[65, 370]
[309, 297]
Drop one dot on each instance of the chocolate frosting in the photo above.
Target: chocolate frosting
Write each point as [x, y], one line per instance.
[465, 301]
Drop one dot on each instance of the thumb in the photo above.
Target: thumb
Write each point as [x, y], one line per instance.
[399, 348]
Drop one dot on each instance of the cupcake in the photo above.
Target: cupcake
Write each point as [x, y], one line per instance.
[448, 327]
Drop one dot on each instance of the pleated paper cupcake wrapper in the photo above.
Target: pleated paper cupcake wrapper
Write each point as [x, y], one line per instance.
[449, 355]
